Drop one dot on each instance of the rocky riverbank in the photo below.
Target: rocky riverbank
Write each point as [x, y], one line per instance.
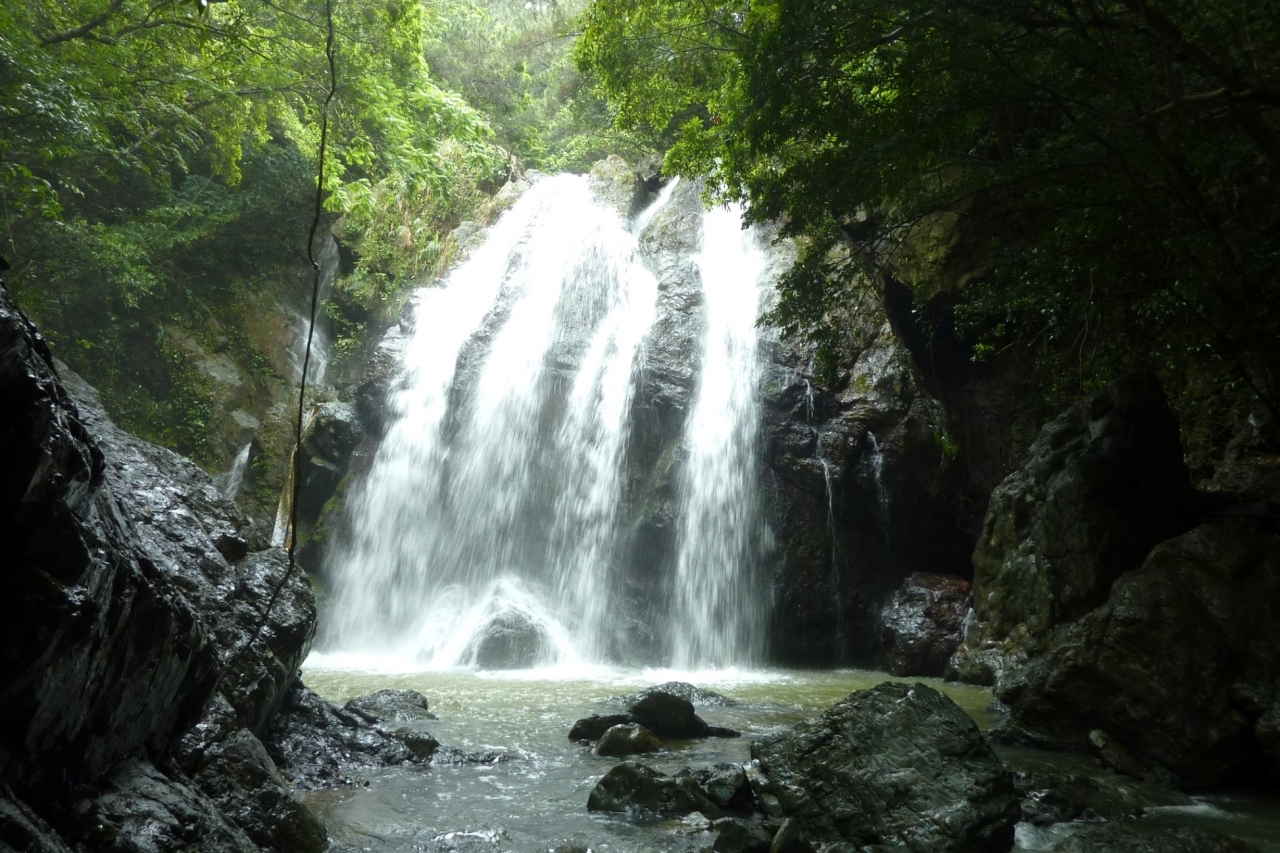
[152, 643]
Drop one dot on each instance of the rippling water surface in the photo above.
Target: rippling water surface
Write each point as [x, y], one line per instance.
[536, 799]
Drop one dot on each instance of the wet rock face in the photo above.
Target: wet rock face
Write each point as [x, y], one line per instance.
[670, 356]
[102, 656]
[142, 808]
[1102, 484]
[666, 714]
[635, 788]
[397, 706]
[140, 628]
[317, 744]
[1179, 668]
[198, 542]
[924, 623]
[331, 435]
[863, 490]
[896, 764]
[627, 739]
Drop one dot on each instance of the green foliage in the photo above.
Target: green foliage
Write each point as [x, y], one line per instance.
[157, 171]
[513, 61]
[1095, 179]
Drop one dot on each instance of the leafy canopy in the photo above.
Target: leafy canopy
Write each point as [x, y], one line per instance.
[1096, 179]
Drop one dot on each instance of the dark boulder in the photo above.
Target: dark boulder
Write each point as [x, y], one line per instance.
[1102, 484]
[668, 715]
[102, 655]
[897, 764]
[1179, 667]
[400, 706]
[627, 739]
[511, 640]
[1137, 837]
[593, 727]
[1060, 787]
[739, 835]
[142, 809]
[632, 788]
[242, 779]
[924, 623]
[725, 785]
[699, 696]
[317, 744]
[333, 430]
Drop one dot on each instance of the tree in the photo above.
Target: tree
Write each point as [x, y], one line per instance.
[1097, 175]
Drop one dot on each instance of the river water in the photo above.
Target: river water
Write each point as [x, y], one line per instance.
[536, 799]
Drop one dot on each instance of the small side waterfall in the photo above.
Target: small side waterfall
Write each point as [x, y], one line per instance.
[488, 529]
[230, 482]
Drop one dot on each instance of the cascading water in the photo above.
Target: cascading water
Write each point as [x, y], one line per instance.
[718, 602]
[485, 532]
[230, 482]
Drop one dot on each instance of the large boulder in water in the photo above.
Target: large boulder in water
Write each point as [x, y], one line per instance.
[1179, 667]
[511, 640]
[635, 788]
[898, 765]
[670, 715]
[924, 623]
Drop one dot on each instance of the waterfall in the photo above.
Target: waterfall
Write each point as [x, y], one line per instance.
[300, 321]
[230, 482]
[488, 529]
[718, 601]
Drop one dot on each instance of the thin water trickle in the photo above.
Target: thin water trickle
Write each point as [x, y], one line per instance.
[230, 482]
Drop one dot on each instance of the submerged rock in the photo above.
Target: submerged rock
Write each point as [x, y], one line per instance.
[1135, 837]
[1179, 668]
[401, 706]
[627, 739]
[924, 623]
[896, 764]
[684, 690]
[637, 789]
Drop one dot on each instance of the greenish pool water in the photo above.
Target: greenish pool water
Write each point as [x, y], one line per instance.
[537, 798]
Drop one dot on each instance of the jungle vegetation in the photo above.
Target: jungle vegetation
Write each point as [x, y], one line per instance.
[1091, 182]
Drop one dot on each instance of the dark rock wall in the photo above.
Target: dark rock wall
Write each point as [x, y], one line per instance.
[140, 659]
[101, 656]
[864, 490]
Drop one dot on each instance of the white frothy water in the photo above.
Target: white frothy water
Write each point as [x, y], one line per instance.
[500, 499]
[492, 506]
[718, 602]
[230, 482]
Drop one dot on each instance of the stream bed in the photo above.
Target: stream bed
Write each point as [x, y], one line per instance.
[534, 800]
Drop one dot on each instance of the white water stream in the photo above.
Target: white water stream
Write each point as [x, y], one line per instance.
[492, 506]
